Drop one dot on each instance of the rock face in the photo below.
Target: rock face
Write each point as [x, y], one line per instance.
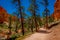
[4, 16]
[56, 14]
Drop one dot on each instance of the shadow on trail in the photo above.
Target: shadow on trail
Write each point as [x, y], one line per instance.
[55, 24]
[47, 31]
[43, 31]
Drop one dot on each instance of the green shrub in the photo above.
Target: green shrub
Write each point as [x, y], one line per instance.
[14, 36]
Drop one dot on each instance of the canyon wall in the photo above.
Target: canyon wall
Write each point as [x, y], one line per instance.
[56, 14]
[4, 16]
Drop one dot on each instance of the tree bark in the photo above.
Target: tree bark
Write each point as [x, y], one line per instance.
[21, 16]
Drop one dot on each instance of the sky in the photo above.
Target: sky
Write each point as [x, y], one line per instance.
[10, 7]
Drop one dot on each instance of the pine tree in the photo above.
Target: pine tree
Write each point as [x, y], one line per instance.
[33, 7]
[20, 12]
[46, 11]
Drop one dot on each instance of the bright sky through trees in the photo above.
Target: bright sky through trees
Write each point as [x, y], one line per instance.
[10, 8]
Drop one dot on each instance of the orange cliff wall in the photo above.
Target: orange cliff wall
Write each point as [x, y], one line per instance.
[56, 14]
[4, 16]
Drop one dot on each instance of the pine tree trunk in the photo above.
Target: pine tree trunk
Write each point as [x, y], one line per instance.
[20, 10]
[22, 26]
[16, 28]
[46, 20]
[32, 26]
[36, 25]
[8, 36]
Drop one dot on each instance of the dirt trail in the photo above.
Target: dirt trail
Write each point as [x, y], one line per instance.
[53, 35]
[37, 36]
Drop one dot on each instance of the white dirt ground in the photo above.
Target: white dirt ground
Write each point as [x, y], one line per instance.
[53, 35]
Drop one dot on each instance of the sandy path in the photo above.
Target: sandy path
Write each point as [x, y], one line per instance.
[54, 35]
[37, 36]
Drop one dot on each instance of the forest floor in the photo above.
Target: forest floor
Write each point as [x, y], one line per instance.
[52, 34]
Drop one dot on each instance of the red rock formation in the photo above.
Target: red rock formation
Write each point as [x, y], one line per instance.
[4, 16]
[56, 14]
